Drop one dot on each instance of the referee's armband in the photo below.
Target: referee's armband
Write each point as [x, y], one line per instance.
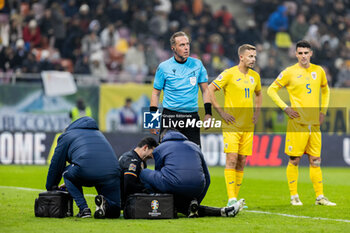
[207, 108]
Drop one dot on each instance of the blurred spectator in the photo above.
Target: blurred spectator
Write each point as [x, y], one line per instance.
[20, 54]
[15, 30]
[82, 65]
[7, 59]
[331, 38]
[70, 8]
[313, 33]
[135, 62]
[215, 45]
[30, 65]
[298, 28]
[44, 63]
[127, 115]
[31, 34]
[58, 26]
[4, 29]
[139, 25]
[152, 60]
[179, 14]
[163, 6]
[277, 22]
[262, 59]
[84, 17]
[91, 43]
[109, 36]
[46, 27]
[270, 71]
[224, 16]
[97, 65]
[72, 43]
[250, 35]
[94, 26]
[158, 25]
[343, 77]
[115, 13]
[101, 16]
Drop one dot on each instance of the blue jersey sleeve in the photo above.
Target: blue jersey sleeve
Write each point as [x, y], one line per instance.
[159, 79]
[203, 75]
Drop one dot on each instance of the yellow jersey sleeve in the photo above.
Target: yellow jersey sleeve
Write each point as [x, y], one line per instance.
[324, 81]
[258, 84]
[283, 79]
[222, 80]
[272, 92]
[324, 92]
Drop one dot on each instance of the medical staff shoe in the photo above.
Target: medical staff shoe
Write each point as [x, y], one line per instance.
[85, 213]
[100, 202]
[233, 210]
[324, 201]
[193, 209]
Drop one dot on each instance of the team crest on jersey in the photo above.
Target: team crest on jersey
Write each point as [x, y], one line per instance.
[219, 78]
[132, 167]
[251, 79]
[280, 76]
[313, 75]
[193, 80]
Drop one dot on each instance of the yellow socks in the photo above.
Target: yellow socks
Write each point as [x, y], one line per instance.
[230, 180]
[316, 179]
[239, 178]
[292, 177]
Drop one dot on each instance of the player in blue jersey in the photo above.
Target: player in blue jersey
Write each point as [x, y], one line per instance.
[180, 77]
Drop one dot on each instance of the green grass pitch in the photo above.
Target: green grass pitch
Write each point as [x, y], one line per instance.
[265, 191]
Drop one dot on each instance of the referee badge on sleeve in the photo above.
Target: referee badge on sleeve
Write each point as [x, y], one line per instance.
[193, 80]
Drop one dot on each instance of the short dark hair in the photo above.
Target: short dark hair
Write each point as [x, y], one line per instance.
[303, 44]
[149, 141]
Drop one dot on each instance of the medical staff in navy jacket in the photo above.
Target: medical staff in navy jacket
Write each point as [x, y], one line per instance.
[92, 163]
[180, 169]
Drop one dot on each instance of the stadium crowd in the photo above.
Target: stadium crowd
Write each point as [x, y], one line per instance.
[125, 40]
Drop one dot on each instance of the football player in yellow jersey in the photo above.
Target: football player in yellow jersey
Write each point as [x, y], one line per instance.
[303, 81]
[239, 83]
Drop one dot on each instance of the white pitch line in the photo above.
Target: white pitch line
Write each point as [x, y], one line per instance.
[251, 211]
[297, 216]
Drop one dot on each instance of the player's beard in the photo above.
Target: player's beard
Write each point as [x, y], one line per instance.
[251, 65]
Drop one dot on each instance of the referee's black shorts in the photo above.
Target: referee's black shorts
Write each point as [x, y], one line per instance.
[192, 132]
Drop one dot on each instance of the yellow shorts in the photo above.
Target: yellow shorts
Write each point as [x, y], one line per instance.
[238, 142]
[303, 139]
